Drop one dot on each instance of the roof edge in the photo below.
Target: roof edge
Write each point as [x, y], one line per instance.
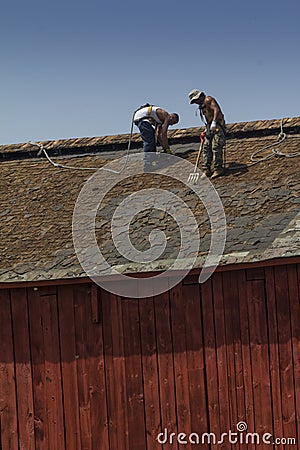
[81, 146]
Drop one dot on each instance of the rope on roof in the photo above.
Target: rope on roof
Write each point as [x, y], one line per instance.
[275, 152]
[64, 166]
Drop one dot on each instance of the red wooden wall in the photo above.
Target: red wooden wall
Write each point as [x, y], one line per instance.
[83, 369]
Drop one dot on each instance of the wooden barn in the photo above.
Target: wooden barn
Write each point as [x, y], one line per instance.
[211, 365]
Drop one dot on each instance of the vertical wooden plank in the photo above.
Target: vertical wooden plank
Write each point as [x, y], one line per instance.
[274, 352]
[53, 387]
[225, 353]
[294, 295]
[23, 368]
[82, 316]
[96, 370]
[68, 366]
[209, 333]
[38, 368]
[285, 351]
[245, 353]
[165, 367]
[259, 357]
[95, 303]
[150, 372]
[45, 354]
[114, 359]
[134, 376]
[234, 326]
[118, 332]
[89, 426]
[109, 371]
[195, 360]
[183, 412]
[8, 405]
[298, 277]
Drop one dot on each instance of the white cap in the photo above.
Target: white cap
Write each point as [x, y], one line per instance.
[195, 95]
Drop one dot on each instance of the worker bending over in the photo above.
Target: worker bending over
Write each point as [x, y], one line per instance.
[153, 123]
[215, 132]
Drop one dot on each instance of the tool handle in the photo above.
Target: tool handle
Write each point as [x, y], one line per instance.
[199, 153]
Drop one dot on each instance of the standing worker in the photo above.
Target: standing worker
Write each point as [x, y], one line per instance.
[215, 135]
[153, 123]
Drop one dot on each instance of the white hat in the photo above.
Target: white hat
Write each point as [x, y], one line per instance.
[195, 95]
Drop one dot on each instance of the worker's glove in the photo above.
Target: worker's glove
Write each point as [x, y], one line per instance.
[202, 136]
[213, 126]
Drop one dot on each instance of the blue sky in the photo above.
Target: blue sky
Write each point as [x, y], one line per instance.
[80, 68]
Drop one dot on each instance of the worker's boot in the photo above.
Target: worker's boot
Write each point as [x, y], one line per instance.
[207, 172]
[217, 173]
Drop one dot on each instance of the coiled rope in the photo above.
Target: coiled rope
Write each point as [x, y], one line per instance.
[275, 152]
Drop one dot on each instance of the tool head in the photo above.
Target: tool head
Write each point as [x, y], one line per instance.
[193, 178]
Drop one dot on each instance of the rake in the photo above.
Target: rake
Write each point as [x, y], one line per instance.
[194, 176]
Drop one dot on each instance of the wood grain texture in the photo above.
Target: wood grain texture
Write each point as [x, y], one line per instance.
[81, 368]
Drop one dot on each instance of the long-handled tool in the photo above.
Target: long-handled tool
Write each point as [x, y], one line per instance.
[194, 176]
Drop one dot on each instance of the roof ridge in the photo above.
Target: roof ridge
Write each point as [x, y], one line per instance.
[84, 145]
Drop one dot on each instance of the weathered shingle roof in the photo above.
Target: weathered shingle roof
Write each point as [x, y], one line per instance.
[261, 201]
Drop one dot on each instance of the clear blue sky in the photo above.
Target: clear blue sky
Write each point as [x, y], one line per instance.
[79, 68]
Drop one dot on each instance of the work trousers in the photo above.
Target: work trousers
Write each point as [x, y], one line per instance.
[213, 148]
[149, 145]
